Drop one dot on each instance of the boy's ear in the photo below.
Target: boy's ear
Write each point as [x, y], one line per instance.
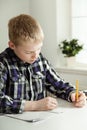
[11, 45]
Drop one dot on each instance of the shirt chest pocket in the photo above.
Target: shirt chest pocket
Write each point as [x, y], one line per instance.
[17, 78]
[38, 81]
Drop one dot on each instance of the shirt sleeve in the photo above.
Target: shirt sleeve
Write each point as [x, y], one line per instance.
[7, 104]
[56, 85]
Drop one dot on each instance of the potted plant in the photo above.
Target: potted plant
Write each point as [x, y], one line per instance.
[70, 48]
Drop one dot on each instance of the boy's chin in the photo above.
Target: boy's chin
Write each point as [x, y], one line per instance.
[31, 62]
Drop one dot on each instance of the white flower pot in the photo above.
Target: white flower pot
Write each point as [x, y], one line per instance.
[70, 61]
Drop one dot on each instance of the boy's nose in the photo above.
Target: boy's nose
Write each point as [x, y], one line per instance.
[34, 55]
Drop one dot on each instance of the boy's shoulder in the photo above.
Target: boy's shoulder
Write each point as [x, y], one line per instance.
[5, 52]
[5, 55]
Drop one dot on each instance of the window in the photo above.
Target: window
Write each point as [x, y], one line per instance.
[79, 27]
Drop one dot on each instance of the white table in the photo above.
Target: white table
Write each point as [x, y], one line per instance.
[65, 117]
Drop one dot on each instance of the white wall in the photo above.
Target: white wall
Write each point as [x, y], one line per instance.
[63, 19]
[63, 24]
[45, 12]
[8, 9]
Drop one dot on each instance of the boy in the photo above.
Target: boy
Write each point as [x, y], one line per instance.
[25, 75]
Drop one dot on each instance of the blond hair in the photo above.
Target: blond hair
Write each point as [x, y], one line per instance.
[24, 27]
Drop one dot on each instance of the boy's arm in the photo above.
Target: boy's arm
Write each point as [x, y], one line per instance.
[7, 104]
[47, 103]
[56, 85]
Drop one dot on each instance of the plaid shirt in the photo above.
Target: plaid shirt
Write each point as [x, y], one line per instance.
[21, 81]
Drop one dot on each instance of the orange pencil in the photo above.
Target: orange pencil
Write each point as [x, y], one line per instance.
[77, 89]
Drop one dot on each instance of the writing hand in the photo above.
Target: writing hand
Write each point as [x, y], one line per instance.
[81, 99]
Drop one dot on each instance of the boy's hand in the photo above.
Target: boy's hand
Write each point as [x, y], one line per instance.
[47, 103]
[81, 99]
[44, 104]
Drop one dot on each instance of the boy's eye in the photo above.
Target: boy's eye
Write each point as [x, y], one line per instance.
[32, 52]
[28, 52]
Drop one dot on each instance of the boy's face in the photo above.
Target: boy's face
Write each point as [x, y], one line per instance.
[27, 52]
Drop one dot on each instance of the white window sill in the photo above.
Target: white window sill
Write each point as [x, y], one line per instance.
[75, 70]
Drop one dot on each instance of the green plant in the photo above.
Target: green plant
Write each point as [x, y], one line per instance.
[70, 48]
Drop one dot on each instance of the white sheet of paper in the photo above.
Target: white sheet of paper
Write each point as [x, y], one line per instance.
[30, 116]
